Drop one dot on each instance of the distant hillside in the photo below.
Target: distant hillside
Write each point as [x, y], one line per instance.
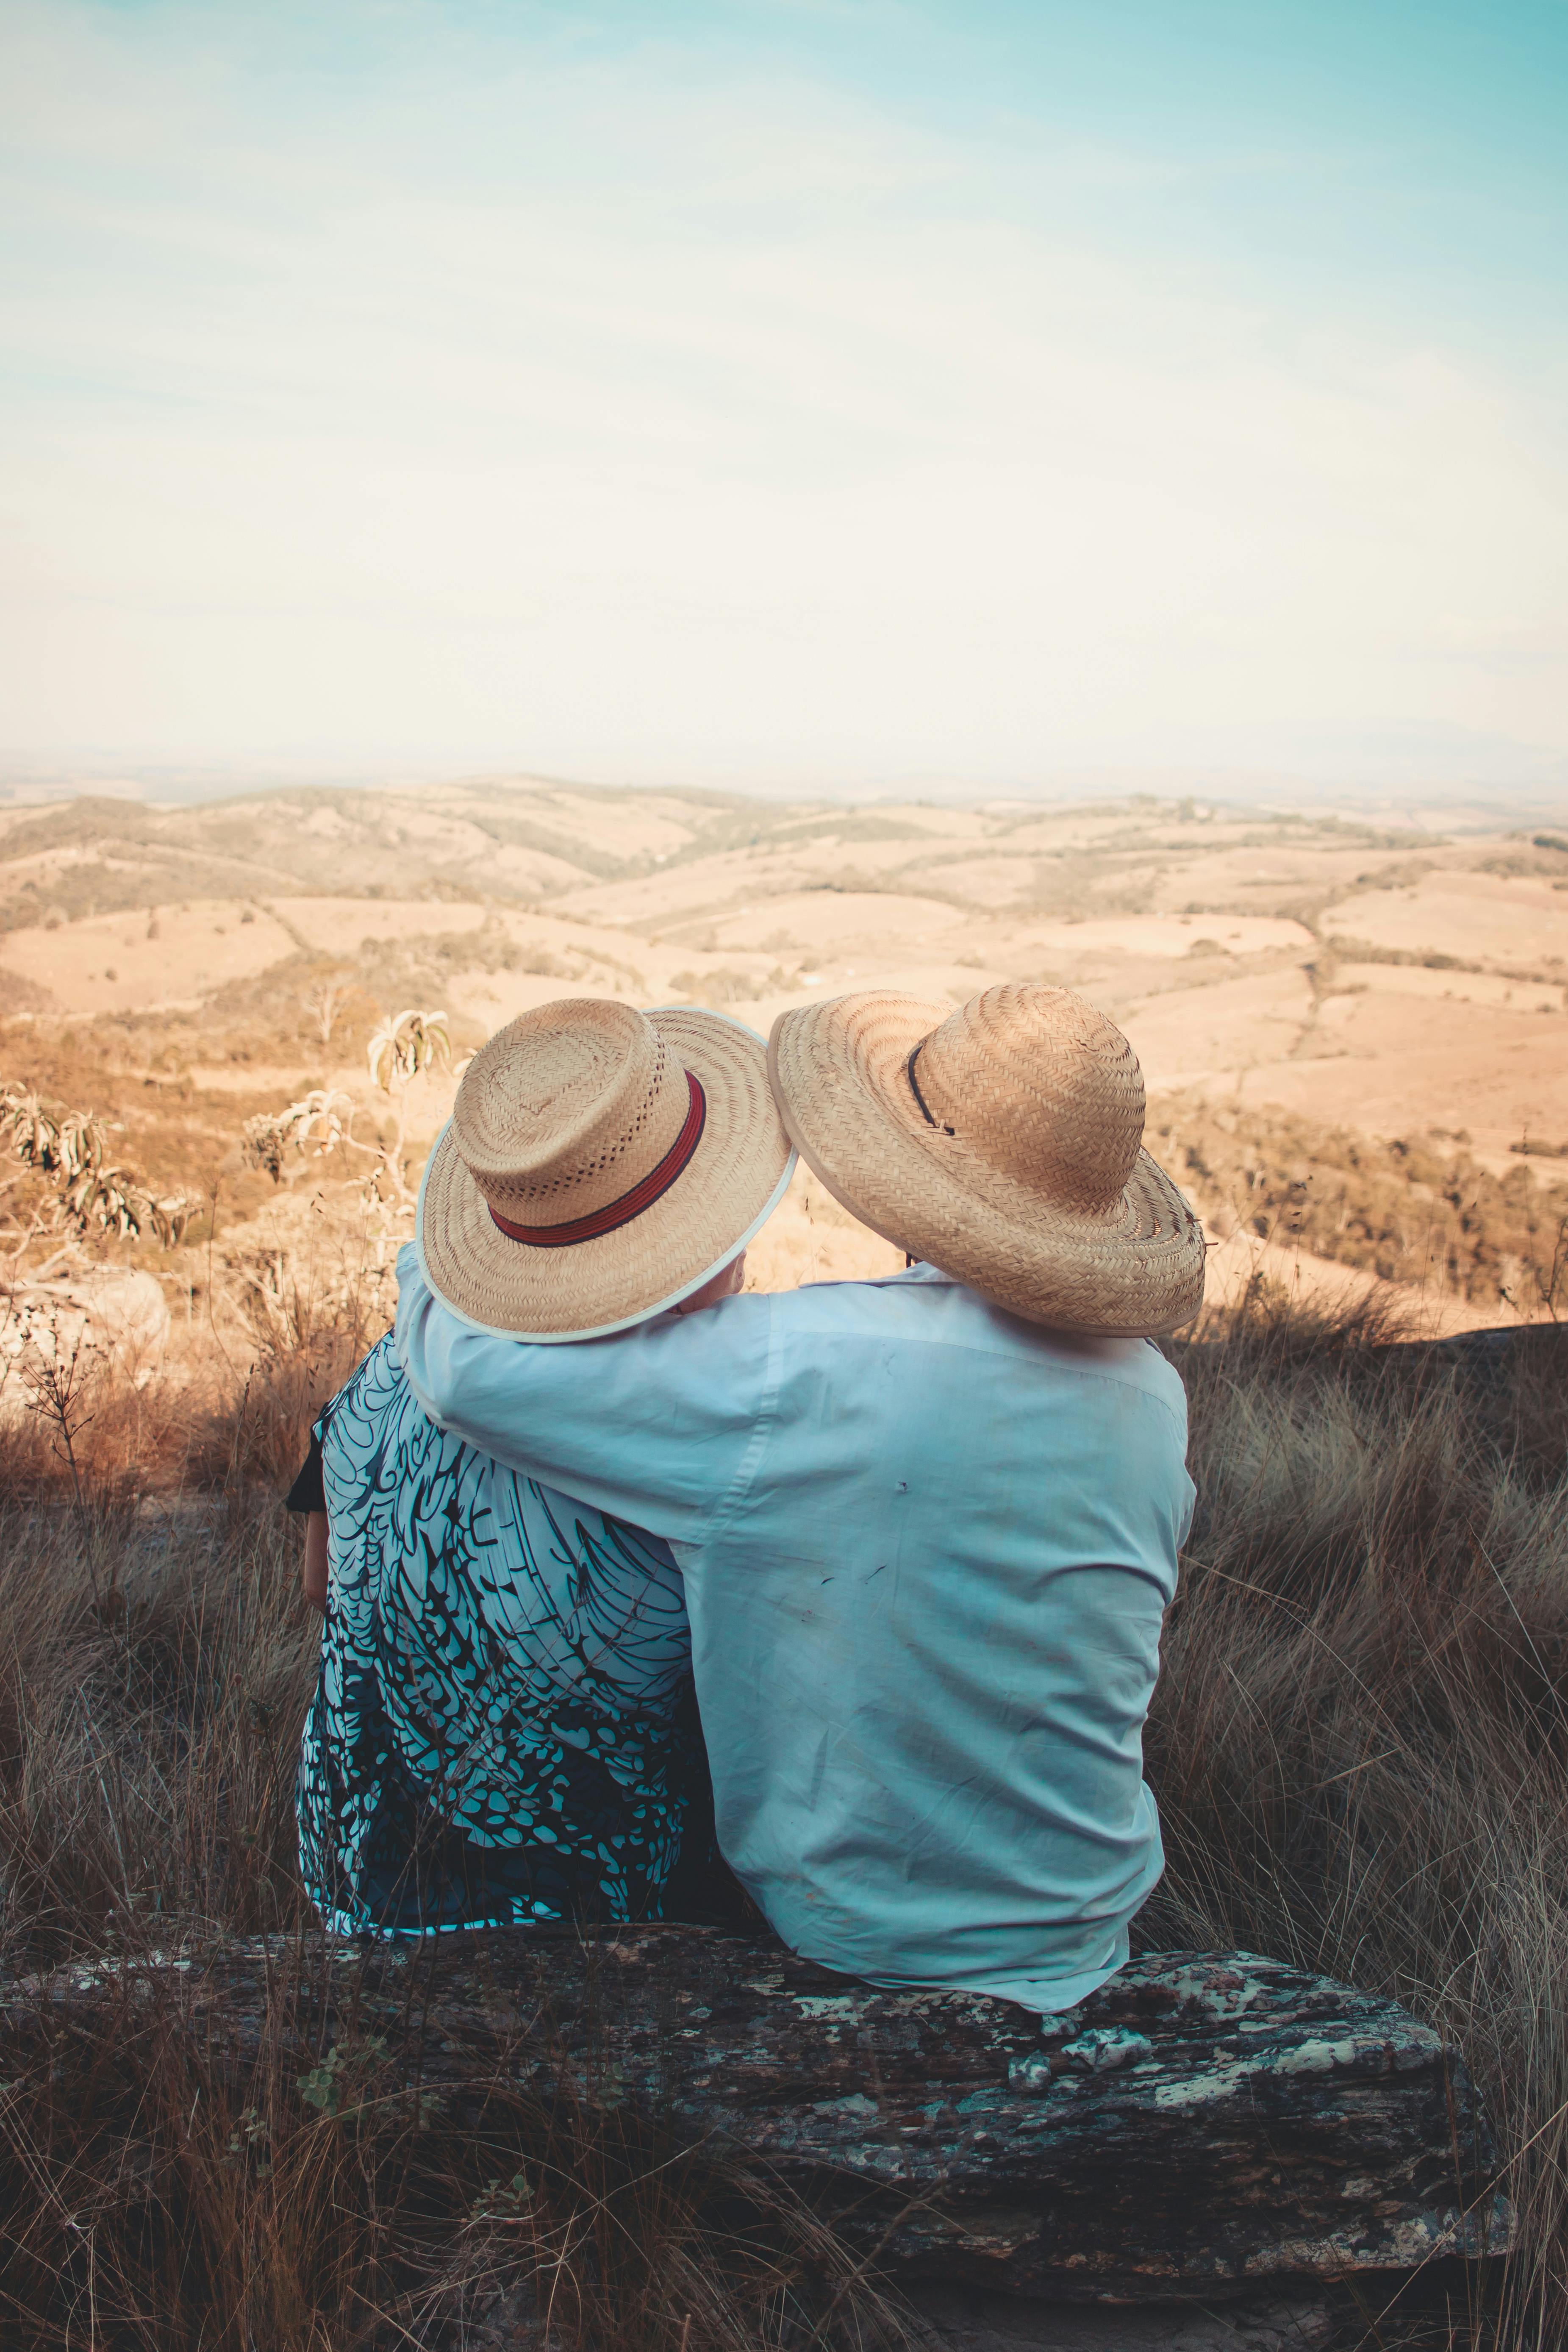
[98, 856]
[1353, 975]
[522, 843]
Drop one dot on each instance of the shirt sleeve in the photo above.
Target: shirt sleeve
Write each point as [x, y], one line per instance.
[660, 1425]
[307, 1493]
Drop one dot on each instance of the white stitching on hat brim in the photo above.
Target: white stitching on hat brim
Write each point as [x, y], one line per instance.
[627, 1322]
[644, 1314]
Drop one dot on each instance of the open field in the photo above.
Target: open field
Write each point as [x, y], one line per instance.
[1341, 997]
[1358, 1743]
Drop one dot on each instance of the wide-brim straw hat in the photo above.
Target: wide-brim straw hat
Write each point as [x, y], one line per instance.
[1002, 1143]
[600, 1164]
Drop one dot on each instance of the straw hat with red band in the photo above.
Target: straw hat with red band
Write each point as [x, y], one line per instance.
[1002, 1143]
[601, 1164]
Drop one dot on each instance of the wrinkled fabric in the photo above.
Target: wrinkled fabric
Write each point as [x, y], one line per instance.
[927, 1550]
[499, 1731]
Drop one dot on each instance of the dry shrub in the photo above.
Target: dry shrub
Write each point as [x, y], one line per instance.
[304, 1323]
[156, 1666]
[1359, 1742]
[155, 1659]
[154, 1669]
[1359, 1745]
[120, 1436]
[152, 2202]
[1410, 1210]
[232, 1406]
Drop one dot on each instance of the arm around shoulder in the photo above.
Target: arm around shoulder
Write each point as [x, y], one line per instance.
[651, 1424]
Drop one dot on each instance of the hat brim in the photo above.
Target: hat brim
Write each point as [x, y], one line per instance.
[732, 1185]
[839, 1070]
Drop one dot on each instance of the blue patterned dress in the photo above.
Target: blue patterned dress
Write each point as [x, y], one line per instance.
[503, 1727]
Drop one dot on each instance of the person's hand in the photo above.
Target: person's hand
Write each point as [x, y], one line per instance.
[313, 1574]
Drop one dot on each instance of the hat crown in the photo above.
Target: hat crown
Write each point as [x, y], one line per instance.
[1040, 1086]
[568, 1108]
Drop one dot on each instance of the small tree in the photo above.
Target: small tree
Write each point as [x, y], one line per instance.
[324, 1002]
[405, 1045]
[71, 1147]
[312, 1127]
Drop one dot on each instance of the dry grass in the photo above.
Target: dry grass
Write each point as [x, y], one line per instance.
[1418, 1212]
[1359, 1745]
[1359, 1742]
[155, 1665]
[151, 2199]
[154, 1673]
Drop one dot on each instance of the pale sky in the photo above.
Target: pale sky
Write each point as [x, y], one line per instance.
[786, 392]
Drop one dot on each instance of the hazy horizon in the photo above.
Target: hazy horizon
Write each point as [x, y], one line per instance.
[1456, 808]
[851, 397]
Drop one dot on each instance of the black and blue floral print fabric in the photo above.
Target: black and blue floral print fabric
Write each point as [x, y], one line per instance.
[503, 1730]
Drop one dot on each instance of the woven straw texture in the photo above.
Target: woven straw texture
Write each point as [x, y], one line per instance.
[1023, 1175]
[566, 1111]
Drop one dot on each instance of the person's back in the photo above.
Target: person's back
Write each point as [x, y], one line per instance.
[925, 1668]
[502, 1730]
[927, 1546]
[926, 1538]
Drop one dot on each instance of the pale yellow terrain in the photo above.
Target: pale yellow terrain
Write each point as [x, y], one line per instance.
[1395, 982]
[810, 1238]
[1237, 1260]
[335, 925]
[113, 964]
[1495, 989]
[1510, 921]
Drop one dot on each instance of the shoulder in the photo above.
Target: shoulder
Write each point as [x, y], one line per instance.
[924, 1310]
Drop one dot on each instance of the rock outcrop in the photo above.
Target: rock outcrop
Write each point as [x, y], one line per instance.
[1206, 2124]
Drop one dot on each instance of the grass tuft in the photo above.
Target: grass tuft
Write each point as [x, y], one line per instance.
[1359, 1744]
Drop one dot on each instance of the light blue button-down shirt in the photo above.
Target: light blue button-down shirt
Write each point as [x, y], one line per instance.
[927, 1550]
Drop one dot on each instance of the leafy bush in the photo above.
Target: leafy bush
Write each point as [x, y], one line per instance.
[1409, 1211]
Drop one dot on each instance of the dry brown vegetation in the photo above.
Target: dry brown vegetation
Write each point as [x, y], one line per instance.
[156, 1664]
[1421, 1212]
[1359, 1744]
[1382, 1011]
